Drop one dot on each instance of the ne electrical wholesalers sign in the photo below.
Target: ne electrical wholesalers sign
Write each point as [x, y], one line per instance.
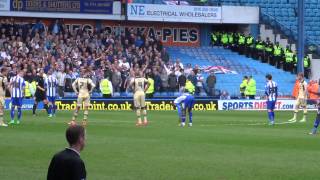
[174, 13]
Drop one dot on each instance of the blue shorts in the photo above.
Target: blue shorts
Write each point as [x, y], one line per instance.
[16, 101]
[189, 102]
[271, 105]
[51, 99]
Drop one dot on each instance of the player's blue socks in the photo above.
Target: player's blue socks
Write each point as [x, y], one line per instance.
[316, 123]
[12, 113]
[183, 119]
[190, 116]
[271, 116]
[19, 113]
[315, 126]
[54, 107]
[179, 110]
[50, 109]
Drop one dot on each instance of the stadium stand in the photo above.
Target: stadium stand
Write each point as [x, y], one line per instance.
[281, 14]
[236, 66]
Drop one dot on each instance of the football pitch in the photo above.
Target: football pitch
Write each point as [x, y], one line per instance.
[221, 145]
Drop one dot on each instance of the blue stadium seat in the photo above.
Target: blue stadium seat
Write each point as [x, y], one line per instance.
[240, 64]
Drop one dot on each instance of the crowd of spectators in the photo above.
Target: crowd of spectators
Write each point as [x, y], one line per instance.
[33, 47]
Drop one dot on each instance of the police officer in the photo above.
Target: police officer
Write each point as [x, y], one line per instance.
[214, 39]
[289, 57]
[260, 45]
[231, 41]
[251, 88]
[106, 88]
[306, 65]
[269, 52]
[241, 43]
[249, 43]
[150, 90]
[27, 92]
[243, 87]
[189, 86]
[277, 55]
[224, 39]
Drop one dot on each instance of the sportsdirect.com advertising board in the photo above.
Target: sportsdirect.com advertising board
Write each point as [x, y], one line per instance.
[281, 104]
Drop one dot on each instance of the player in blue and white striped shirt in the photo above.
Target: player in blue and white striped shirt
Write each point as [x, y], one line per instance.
[17, 84]
[50, 85]
[272, 95]
[183, 103]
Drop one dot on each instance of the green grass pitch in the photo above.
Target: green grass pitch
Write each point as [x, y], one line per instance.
[221, 145]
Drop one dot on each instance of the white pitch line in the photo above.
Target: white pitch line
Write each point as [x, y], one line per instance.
[252, 124]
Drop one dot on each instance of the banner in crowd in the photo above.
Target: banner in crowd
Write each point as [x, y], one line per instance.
[4, 5]
[184, 3]
[174, 13]
[120, 104]
[281, 104]
[218, 70]
[171, 34]
[66, 6]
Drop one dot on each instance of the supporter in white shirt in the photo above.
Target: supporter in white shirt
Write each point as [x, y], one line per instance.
[199, 85]
[124, 64]
[61, 77]
[3, 54]
[178, 63]
[178, 72]
[188, 70]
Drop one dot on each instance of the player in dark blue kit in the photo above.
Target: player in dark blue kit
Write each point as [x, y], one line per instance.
[185, 103]
[272, 95]
[317, 121]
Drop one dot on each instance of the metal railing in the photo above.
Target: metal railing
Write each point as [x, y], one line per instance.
[290, 33]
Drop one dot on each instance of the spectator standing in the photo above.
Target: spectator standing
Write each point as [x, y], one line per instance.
[56, 27]
[116, 80]
[199, 85]
[164, 80]
[182, 81]
[313, 90]
[68, 82]
[211, 83]
[157, 81]
[188, 70]
[61, 77]
[178, 64]
[165, 55]
[225, 95]
[172, 82]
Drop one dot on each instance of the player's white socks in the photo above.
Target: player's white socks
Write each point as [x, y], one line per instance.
[183, 124]
[294, 119]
